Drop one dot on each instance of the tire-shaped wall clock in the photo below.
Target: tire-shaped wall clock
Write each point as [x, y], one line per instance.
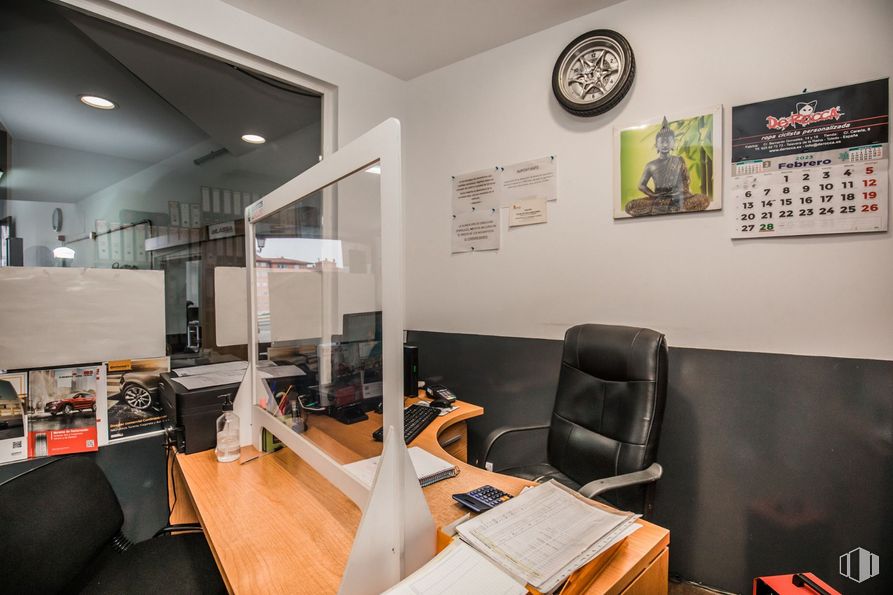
[594, 73]
[57, 220]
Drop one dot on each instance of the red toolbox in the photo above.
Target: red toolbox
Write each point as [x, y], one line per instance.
[802, 583]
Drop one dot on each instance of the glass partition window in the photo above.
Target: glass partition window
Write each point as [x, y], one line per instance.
[319, 316]
[160, 179]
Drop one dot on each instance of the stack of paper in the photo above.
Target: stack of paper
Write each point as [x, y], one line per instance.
[458, 569]
[544, 534]
[229, 373]
[538, 538]
[428, 467]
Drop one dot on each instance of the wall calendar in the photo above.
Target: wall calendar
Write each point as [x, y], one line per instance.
[814, 163]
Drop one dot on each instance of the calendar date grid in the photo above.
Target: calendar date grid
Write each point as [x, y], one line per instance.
[824, 198]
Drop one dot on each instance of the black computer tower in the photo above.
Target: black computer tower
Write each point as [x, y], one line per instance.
[410, 370]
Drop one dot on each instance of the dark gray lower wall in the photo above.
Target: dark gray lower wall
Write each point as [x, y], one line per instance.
[773, 463]
[136, 470]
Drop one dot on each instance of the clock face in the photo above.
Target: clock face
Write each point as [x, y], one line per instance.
[593, 73]
[57, 220]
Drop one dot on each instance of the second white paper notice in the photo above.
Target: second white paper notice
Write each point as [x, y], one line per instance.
[478, 230]
[530, 178]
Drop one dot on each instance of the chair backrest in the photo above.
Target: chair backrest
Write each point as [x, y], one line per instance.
[55, 519]
[609, 405]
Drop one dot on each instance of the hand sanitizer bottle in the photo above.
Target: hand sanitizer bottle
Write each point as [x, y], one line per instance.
[228, 449]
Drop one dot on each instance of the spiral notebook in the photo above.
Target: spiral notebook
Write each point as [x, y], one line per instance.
[429, 468]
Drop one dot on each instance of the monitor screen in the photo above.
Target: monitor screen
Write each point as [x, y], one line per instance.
[364, 326]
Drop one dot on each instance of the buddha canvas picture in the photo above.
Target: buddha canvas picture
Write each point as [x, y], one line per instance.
[668, 166]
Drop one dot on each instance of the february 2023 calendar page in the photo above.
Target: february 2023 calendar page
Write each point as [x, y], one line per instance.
[813, 163]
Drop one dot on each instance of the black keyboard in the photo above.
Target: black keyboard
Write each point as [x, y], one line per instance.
[415, 419]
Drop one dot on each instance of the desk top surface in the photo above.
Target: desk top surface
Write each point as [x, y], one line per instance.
[276, 525]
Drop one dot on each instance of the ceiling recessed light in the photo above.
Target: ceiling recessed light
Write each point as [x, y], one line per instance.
[254, 139]
[97, 102]
[63, 252]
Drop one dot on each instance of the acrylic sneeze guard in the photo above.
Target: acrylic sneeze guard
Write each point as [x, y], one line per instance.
[326, 301]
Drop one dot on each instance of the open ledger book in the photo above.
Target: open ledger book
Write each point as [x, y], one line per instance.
[536, 539]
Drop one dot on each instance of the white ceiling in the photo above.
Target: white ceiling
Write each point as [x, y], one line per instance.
[408, 38]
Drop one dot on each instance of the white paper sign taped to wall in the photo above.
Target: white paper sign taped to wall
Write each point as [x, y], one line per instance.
[480, 190]
[528, 211]
[476, 231]
[63, 316]
[537, 178]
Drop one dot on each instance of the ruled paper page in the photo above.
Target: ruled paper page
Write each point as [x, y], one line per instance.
[539, 535]
[458, 570]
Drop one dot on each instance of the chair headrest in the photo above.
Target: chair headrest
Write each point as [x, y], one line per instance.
[614, 353]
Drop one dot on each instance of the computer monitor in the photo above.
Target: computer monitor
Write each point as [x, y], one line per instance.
[361, 326]
[343, 392]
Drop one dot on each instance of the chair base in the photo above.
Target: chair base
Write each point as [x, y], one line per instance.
[171, 565]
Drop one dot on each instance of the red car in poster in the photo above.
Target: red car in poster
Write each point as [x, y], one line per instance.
[79, 401]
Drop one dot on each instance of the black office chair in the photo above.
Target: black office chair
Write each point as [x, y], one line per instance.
[61, 526]
[606, 421]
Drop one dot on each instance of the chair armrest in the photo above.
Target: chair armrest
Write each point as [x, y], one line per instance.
[600, 486]
[529, 446]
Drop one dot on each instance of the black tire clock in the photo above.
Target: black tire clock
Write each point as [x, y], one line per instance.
[57, 220]
[594, 73]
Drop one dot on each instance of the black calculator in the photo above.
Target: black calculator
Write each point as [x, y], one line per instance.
[482, 498]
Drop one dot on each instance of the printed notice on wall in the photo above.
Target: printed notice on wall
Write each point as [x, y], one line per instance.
[537, 178]
[814, 163]
[528, 211]
[477, 191]
[173, 208]
[478, 230]
[127, 240]
[115, 241]
[102, 244]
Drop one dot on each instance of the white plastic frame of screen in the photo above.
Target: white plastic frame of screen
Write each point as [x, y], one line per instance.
[397, 533]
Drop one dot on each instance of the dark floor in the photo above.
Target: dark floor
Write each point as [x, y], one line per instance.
[689, 589]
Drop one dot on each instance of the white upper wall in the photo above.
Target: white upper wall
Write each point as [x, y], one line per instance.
[823, 295]
[34, 224]
[681, 274]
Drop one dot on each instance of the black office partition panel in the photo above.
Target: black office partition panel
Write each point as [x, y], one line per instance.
[772, 463]
[136, 470]
[515, 379]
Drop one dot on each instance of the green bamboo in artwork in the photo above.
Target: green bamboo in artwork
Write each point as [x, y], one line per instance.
[667, 167]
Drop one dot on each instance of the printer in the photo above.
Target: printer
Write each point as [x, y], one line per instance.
[192, 413]
[192, 398]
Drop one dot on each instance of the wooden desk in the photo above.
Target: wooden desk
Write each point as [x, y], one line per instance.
[275, 525]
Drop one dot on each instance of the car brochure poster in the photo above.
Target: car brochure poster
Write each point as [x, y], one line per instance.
[813, 163]
[134, 401]
[13, 428]
[65, 407]
[669, 165]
